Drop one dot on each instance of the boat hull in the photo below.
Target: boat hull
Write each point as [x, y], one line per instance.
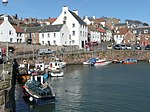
[56, 74]
[102, 63]
[38, 93]
[129, 61]
[38, 101]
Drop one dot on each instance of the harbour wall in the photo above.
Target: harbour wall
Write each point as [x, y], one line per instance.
[7, 89]
[79, 58]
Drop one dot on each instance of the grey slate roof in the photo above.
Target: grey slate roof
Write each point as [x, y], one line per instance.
[141, 30]
[51, 28]
[81, 22]
[32, 29]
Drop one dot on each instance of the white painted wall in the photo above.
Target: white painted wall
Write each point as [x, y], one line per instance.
[61, 37]
[118, 39]
[80, 31]
[8, 32]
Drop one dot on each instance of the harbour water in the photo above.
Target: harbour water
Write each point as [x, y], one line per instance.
[111, 88]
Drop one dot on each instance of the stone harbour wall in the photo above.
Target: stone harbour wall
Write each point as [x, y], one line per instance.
[7, 99]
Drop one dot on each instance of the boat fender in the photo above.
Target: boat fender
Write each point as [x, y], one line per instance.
[31, 99]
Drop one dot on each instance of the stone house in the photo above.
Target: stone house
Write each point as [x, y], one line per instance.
[32, 35]
[94, 35]
[129, 38]
[119, 35]
[142, 35]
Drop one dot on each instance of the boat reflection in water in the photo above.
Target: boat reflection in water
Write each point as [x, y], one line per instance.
[43, 108]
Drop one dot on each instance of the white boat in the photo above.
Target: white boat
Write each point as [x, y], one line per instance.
[101, 62]
[56, 73]
[90, 61]
[62, 64]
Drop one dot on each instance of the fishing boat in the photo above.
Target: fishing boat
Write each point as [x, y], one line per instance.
[116, 61]
[129, 61]
[38, 91]
[90, 61]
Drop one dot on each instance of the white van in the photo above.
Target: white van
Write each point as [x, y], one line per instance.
[45, 51]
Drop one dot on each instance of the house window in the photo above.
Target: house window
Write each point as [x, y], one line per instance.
[54, 42]
[73, 32]
[69, 36]
[54, 34]
[64, 22]
[145, 31]
[62, 34]
[65, 18]
[43, 35]
[73, 41]
[65, 12]
[73, 25]
[48, 35]
[17, 40]
[42, 42]
[11, 39]
[80, 33]
[9, 32]
[48, 43]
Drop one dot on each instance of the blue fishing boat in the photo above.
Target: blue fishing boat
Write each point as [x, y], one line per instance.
[129, 61]
[38, 90]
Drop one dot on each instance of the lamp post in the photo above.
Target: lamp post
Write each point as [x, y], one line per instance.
[5, 2]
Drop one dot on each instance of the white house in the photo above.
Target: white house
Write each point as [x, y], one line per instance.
[94, 34]
[10, 33]
[119, 35]
[54, 35]
[89, 20]
[78, 30]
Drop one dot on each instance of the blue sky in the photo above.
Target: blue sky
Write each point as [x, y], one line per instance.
[42, 9]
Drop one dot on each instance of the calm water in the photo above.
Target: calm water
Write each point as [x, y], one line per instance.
[111, 88]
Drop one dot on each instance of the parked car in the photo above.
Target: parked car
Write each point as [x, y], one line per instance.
[128, 47]
[123, 47]
[109, 47]
[138, 47]
[117, 46]
[45, 51]
[147, 47]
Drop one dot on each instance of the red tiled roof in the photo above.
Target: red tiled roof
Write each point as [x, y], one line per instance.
[51, 20]
[122, 31]
[100, 19]
[18, 29]
[101, 30]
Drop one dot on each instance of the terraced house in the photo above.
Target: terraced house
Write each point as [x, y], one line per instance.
[78, 30]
